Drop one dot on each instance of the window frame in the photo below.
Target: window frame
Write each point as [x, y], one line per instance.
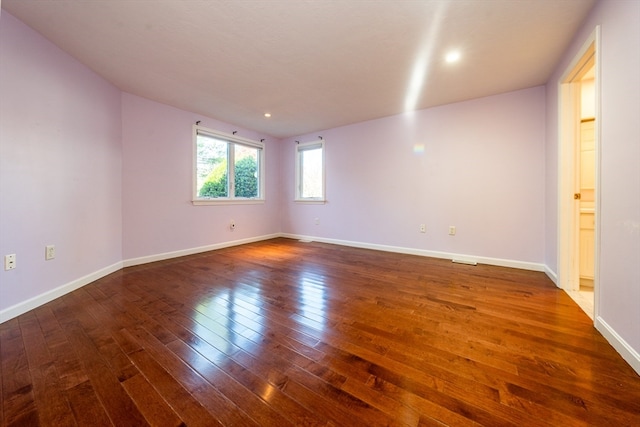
[231, 140]
[299, 149]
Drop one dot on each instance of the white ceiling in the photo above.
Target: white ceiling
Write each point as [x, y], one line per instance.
[313, 65]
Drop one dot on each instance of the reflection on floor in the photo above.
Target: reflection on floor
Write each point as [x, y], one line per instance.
[584, 298]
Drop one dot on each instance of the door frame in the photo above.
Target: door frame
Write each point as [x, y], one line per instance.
[568, 185]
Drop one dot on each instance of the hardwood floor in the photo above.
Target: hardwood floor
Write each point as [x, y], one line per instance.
[281, 333]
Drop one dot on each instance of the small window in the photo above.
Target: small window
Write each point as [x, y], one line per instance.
[310, 172]
[228, 169]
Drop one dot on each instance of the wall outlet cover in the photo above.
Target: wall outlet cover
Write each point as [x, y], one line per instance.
[10, 262]
[49, 252]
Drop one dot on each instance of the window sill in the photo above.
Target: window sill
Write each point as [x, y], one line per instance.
[311, 201]
[213, 202]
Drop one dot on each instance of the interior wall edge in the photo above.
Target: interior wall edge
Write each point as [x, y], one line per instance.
[48, 296]
[499, 262]
[35, 302]
[32, 303]
[628, 353]
[191, 251]
[551, 274]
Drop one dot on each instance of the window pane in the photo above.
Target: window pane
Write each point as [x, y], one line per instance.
[212, 168]
[246, 171]
[227, 168]
[311, 173]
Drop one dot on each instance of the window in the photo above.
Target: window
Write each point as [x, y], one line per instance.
[310, 172]
[228, 169]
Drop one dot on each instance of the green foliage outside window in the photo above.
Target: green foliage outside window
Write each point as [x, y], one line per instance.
[246, 180]
[246, 176]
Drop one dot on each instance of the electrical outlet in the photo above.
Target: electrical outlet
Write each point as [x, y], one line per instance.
[232, 225]
[10, 262]
[452, 230]
[49, 252]
[423, 228]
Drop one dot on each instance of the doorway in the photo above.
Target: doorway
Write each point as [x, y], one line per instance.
[579, 177]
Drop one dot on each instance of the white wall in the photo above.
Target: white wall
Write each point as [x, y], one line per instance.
[157, 185]
[478, 165]
[60, 167]
[618, 283]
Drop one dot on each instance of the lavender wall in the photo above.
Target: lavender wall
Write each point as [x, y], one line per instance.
[618, 286]
[478, 165]
[60, 166]
[157, 185]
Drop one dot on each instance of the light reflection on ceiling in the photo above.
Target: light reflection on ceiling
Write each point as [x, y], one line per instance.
[424, 59]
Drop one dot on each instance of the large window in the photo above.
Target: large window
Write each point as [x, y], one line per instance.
[310, 172]
[228, 169]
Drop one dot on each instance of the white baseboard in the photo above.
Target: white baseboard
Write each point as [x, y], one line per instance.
[184, 252]
[421, 252]
[22, 307]
[627, 352]
[551, 275]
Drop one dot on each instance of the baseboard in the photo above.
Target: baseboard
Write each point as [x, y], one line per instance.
[421, 252]
[551, 275]
[631, 356]
[22, 307]
[184, 252]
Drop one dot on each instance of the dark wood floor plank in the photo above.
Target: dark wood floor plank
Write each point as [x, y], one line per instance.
[185, 405]
[154, 408]
[270, 369]
[281, 332]
[117, 403]
[400, 412]
[69, 369]
[347, 406]
[18, 401]
[142, 345]
[260, 385]
[52, 402]
[53, 407]
[189, 385]
[297, 386]
[86, 406]
[243, 398]
[282, 404]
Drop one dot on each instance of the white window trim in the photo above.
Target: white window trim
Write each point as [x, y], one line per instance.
[232, 200]
[310, 200]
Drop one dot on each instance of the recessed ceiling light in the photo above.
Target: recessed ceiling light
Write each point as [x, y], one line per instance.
[453, 56]
[267, 115]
